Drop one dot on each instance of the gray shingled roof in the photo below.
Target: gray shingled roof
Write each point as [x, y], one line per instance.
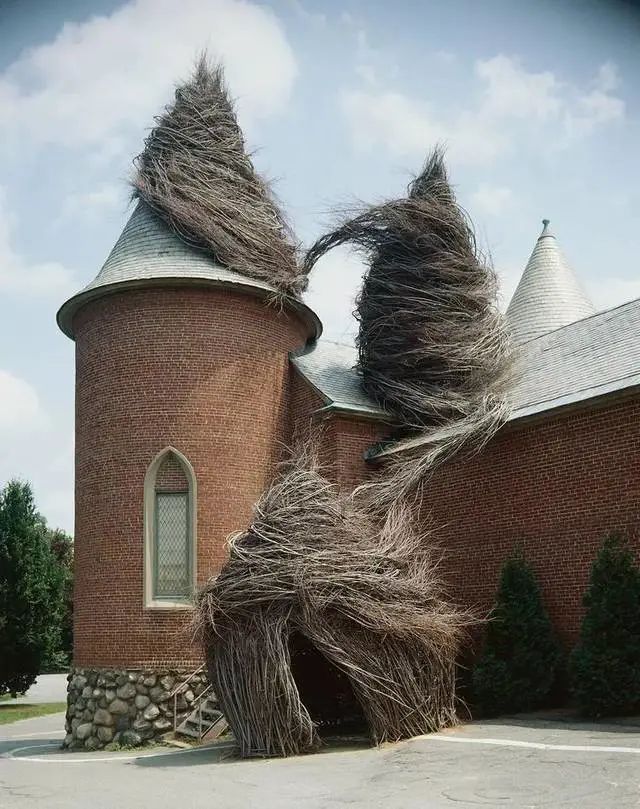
[592, 357]
[148, 253]
[549, 295]
[330, 368]
[595, 356]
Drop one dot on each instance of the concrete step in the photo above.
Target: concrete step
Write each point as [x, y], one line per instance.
[208, 730]
[206, 722]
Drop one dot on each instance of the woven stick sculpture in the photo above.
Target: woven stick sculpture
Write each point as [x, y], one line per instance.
[365, 593]
[194, 172]
[432, 347]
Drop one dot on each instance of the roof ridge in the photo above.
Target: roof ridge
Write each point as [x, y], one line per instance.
[582, 319]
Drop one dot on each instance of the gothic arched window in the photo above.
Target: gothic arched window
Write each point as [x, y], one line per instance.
[170, 520]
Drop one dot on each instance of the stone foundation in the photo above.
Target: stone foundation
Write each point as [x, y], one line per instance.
[125, 706]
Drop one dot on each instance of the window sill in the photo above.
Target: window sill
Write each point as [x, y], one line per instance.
[169, 605]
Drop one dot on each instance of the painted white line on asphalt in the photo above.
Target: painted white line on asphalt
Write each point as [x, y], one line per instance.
[73, 758]
[581, 748]
[31, 736]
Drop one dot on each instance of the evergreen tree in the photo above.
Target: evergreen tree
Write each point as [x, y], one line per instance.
[61, 547]
[30, 590]
[606, 661]
[521, 659]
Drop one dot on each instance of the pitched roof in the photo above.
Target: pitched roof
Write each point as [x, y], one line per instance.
[549, 294]
[148, 253]
[330, 368]
[592, 357]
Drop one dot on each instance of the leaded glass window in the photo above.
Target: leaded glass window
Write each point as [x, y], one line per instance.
[170, 508]
[172, 546]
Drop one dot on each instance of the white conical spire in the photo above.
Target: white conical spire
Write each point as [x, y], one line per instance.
[549, 295]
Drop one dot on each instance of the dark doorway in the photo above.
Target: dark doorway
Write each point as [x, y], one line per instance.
[325, 691]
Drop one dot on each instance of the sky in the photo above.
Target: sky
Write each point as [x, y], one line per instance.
[537, 103]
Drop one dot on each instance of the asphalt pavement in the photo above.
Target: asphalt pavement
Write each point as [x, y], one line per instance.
[47, 688]
[518, 762]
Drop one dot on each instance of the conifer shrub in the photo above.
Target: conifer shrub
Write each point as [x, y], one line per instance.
[521, 661]
[606, 661]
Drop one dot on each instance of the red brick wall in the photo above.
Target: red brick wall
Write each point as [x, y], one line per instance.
[556, 488]
[305, 402]
[351, 438]
[206, 372]
[170, 477]
[343, 439]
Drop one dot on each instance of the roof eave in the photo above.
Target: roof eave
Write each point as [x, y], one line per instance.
[71, 307]
[350, 411]
[605, 396]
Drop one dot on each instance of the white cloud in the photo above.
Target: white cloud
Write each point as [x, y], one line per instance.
[491, 200]
[34, 449]
[510, 103]
[367, 73]
[54, 479]
[607, 78]
[94, 204]
[335, 282]
[511, 92]
[391, 119]
[19, 276]
[98, 80]
[315, 18]
[445, 57]
[20, 408]
[371, 64]
[592, 110]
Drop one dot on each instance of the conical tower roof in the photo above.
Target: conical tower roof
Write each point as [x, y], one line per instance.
[148, 254]
[549, 294]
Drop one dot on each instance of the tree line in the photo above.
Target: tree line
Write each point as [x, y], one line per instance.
[36, 592]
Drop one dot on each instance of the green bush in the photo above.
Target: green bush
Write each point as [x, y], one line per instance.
[521, 660]
[606, 661]
[31, 591]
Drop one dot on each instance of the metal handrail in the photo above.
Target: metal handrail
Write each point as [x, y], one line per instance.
[197, 702]
[199, 706]
[184, 684]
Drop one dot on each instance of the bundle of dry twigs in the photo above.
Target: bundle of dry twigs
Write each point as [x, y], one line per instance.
[364, 592]
[194, 172]
[432, 347]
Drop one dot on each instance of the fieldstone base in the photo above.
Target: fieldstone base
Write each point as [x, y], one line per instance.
[124, 706]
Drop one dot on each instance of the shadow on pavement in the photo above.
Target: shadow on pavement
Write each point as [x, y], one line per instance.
[219, 753]
[566, 720]
[45, 744]
[224, 752]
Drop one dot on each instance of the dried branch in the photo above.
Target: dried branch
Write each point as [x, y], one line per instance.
[432, 347]
[364, 592]
[194, 172]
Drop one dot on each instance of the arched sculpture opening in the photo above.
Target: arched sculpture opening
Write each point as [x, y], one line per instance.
[364, 593]
[324, 690]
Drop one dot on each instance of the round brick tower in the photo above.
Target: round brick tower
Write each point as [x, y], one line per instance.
[182, 386]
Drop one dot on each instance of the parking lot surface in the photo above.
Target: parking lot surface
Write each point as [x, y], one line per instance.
[507, 763]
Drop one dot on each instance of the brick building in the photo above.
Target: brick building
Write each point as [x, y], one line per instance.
[189, 383]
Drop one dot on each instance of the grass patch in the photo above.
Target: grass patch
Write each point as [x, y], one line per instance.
[12, 713]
